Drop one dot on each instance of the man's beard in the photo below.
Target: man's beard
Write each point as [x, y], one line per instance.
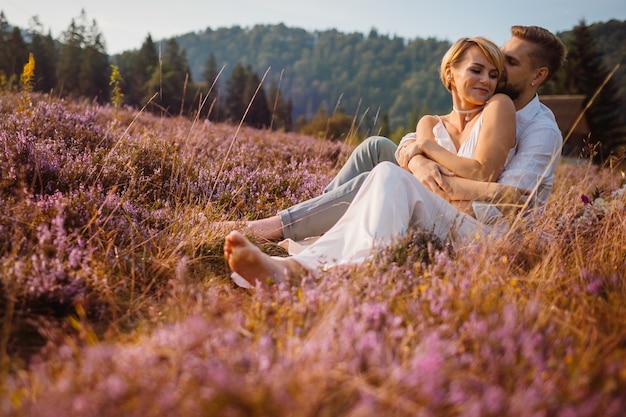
[511, 91]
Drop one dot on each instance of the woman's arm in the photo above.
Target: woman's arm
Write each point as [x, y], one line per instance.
[495, 139]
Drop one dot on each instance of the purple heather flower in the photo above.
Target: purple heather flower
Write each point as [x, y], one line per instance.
[586, 200]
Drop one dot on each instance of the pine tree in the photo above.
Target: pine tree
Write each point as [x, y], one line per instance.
[585, 72]
[136, 69]
[94, 70]
[210, 71]
[5, 71]
[44, 51]
[148, 57]
[259, 115]
[210, 76]
[241, 91]
[17, 52]
[70, 59]
[235, 93]
[169, 79]
[281, 109]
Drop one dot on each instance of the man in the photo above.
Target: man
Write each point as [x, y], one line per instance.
[533, 56]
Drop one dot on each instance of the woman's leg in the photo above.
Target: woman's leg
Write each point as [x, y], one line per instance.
[253, 265]
[390, 202]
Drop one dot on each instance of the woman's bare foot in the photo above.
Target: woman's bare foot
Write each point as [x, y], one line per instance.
[269, 228]
[253, 265]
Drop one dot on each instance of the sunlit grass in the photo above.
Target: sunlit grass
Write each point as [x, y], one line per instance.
[116, 300]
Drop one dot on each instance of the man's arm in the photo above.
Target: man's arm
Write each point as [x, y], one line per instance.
[442, 182]
[466, 189]
[507, 198]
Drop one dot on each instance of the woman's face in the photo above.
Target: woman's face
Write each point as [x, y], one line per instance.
[474, 78]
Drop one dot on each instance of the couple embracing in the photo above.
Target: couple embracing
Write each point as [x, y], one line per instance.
[454, 176]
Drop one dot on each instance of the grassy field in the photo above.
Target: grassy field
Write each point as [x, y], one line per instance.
[115, 299]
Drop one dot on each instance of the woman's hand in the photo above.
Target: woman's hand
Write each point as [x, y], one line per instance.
[432, 175]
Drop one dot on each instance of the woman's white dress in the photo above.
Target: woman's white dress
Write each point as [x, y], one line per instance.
[389, 203]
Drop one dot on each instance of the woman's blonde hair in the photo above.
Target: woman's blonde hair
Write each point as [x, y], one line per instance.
[455, 54]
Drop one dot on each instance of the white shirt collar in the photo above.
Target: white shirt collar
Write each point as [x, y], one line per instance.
[529, 111]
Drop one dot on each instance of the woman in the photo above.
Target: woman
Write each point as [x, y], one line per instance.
[474, 141]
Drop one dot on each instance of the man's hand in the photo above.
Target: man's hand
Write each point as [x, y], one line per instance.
[407, 152]
[509, 200]
[431, 174]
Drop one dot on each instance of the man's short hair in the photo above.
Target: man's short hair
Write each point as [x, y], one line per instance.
[550, 51]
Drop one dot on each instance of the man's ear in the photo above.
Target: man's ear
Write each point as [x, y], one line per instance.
[541, 74]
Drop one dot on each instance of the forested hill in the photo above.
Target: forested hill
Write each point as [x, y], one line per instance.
[364, 74]
[384, 83]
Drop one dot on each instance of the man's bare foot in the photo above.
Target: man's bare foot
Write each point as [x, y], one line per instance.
[253, 265]
[269, 228]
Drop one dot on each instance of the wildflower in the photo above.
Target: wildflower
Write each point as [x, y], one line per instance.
[28, 74]
[586, 200]
[116, 80]
[26, 80]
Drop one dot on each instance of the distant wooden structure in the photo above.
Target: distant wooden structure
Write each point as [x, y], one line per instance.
[566, 109]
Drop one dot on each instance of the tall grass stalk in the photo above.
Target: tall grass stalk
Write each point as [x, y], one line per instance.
[234, 138]
[275, 106]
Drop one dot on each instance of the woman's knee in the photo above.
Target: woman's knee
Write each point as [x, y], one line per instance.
[386, 169]
[390, 172]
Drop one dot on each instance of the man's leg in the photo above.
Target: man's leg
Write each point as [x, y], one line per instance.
[364, 157]
[315, 216]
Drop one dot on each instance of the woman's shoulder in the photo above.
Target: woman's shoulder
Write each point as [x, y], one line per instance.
[429, 120]
[500, 101]
[500, 98]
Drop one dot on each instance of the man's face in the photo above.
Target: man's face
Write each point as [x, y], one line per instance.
[518, 66]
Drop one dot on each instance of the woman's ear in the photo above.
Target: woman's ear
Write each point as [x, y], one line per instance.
[449, 77]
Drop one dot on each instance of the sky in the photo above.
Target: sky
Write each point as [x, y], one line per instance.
[126, 24]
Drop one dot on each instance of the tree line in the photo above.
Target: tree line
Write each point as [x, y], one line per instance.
[324, 83]
[156, 76]
[76, 65]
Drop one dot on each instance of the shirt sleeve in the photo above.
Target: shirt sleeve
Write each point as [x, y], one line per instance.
[406, 138]
[535, 159]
